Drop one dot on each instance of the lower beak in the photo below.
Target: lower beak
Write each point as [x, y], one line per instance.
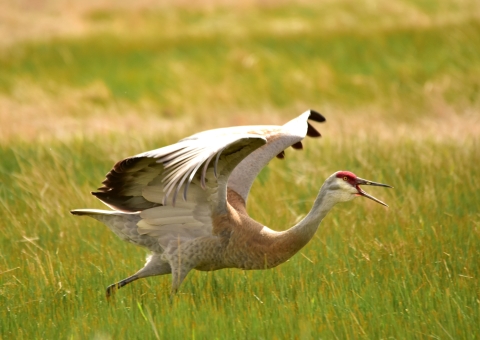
[361, 192]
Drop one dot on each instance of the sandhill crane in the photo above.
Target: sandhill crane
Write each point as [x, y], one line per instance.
[209, 228]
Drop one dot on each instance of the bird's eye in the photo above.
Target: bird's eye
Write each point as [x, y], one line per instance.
[345, 178]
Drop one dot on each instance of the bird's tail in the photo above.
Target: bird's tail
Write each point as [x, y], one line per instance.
[94, 213]
[124, 225]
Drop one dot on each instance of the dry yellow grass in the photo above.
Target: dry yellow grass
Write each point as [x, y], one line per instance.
[42, 20]
[33, 114]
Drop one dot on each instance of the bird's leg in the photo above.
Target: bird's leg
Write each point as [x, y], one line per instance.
[178, 275]
[182, 260]
[155, 266]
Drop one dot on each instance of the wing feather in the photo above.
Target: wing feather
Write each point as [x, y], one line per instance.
[170, 167]
[200, 166]
[148, 181]
[278, 139]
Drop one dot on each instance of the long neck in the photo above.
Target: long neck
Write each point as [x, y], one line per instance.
[300, 234]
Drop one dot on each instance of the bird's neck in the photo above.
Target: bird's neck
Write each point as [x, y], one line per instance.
[299, 235]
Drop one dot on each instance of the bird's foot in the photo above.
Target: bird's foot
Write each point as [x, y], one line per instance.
[111, 290]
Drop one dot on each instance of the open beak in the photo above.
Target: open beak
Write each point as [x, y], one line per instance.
[361, 181]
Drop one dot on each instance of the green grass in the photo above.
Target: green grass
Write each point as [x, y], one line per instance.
[410, 271]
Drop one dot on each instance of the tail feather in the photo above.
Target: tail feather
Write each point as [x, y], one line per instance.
[96, 212]
[124, 225]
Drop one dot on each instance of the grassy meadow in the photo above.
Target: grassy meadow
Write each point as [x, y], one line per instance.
[399, 83]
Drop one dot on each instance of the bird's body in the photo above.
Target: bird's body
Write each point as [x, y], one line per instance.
[210, 229]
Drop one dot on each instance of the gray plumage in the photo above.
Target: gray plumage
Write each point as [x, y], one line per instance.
[186, 202]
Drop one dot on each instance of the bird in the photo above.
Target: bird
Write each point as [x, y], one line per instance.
[187, 202]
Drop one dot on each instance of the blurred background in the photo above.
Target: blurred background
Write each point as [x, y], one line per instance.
[72, 68]
[86, 83]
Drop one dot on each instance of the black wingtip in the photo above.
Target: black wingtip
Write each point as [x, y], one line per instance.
[316, 116]
[312, 132]
[297, 146]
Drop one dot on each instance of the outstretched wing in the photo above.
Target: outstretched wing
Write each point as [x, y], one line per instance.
[278, 139]
[171, 169]
[197, 168]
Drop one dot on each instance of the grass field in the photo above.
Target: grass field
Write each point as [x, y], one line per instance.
[399, 83]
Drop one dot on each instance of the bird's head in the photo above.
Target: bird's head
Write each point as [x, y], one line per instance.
[346, 186]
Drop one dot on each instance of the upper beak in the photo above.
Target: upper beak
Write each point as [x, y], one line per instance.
[361, 181]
